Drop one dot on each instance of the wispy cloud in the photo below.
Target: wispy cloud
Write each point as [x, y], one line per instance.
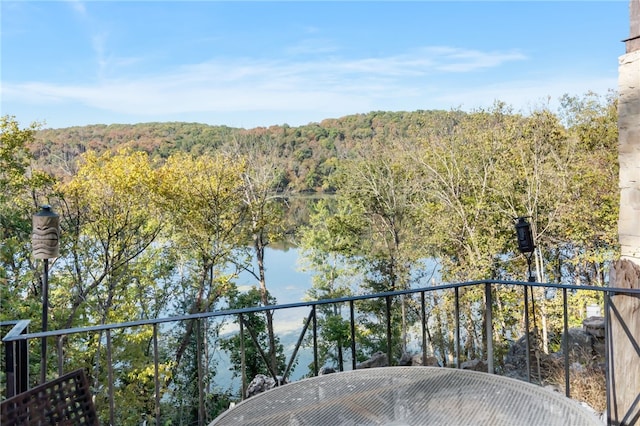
[524, 94]
[246, 84]
[421, 79]
[464, 60]
[98, 37]
[311, 46]
[78, 7]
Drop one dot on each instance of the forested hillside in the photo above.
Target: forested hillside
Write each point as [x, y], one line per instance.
[309, 152]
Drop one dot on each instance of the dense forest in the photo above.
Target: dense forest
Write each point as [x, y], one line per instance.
[159, 218]
[307, 154]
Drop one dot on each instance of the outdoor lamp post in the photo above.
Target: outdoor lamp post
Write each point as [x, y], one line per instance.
[525, 241]
[45, 246]
[526, 247]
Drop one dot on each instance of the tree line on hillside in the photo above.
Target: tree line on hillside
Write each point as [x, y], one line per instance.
[309, 153]
[160, 218]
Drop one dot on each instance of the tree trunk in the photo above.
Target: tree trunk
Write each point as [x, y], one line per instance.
[259, 246]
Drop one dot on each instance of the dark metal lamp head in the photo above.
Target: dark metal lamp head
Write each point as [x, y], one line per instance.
[525, 237]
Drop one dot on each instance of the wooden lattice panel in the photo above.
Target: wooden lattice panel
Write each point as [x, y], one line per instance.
[64, 401]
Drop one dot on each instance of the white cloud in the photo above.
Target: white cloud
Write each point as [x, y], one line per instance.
[78, 7]
[525, 95]
[470, 60]
[407, 81]
[311, 47]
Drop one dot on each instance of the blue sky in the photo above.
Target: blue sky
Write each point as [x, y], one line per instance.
[249, 64]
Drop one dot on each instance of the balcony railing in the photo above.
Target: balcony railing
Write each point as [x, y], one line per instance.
[19, 339]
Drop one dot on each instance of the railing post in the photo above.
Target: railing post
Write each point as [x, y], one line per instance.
[457, 313]
[243, 360]
[353, 334]
[16, 361]
[607, 357]
[489, 326]
[10, 369]
[424, 327]
[526, 333]
[315, 341]
[199, 367]
[156, 370]
[565, 343]
[112, 406]
[389, 346]
[45, 320]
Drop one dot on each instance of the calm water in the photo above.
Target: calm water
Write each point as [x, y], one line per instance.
[288, 285]
[284, 280]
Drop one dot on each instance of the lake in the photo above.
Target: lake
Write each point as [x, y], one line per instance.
[287, 284]
[284, 281]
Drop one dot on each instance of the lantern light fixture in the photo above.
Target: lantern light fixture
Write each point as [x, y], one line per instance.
[45, 244]
[525, 237]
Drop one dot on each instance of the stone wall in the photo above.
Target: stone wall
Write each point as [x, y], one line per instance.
[633, 42]
[624, 363]
[629, 155]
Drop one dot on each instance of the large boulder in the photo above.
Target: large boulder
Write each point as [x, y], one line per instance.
[408, 359]
[595, 327]
[516, 358]
[262, 383]
[587, 343]
[378, 359]
[475, 365]
[431, 361]
[326, 370]
[515, 361]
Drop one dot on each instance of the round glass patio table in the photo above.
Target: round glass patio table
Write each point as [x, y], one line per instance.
[408, 396]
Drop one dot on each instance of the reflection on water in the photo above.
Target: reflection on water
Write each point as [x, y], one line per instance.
[288, 284]
[284, 281]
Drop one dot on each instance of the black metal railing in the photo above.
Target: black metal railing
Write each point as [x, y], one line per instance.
[16, 357]
[16, 341]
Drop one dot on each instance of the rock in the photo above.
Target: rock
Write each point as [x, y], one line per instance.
[378, 359]
[594, 326]
[579, 340]
[326, 370]
[475, 365]
[416, 360]
[405, 359]
[585, 346]
[432, 361]
[262, 383]
[580, 345]
[599, 348]
[513, 373]
[516, 358]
